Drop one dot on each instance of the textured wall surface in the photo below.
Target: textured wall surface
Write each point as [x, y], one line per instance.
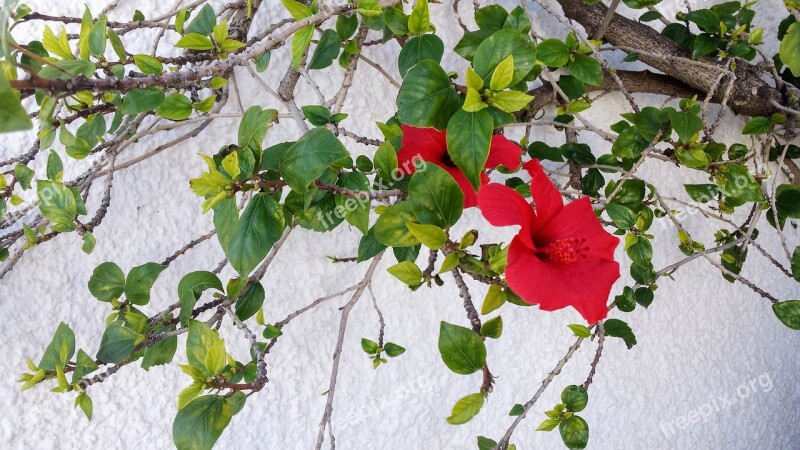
[702, 344]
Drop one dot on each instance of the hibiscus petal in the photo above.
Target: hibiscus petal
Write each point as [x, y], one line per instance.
[503, 206]
[470, 196]
[584, 285]
[545, 195]
[428, 144]
[577, 220]
[505, 152]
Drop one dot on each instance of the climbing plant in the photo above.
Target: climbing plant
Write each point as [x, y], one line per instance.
[579, 212]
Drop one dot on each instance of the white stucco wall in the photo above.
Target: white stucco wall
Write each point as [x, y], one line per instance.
[701, 339]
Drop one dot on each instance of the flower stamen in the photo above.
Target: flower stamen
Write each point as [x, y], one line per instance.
[565, 251]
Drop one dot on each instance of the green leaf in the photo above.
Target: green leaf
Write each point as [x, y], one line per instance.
[117, 343]
[790, 49]
[56, 202]
[465, 409]
[391, 228]
[581, 331]
[13, 116]
[148, 64]
[204, 23]
[491, 17]
[271, 332]
[195, 41]
[85, 402]
[685, 123]
[575, 398]
[703, 45]
[705, 19]
[140, 280]
[97, 37]
[574, 432]
[407, 272]
[251, 301]
[427, 97]
[327, 50]
[298, 10]
[435, 197]
[735, 181]
[641, 252]
[68, 69]
[620, 329]
[141, 100]
[499, 46]
[787, 201]
[84, 365]
[516, 410]
[346, 26]
[420, 48]
[175, 107]
[587, 69]
[160, 353]
[58, 46]
[190, 393]
[511, 101]
[420, 19]
[756, 125]
[469, 136]
[317, 115]
[107, 282]
[260, 226]
[262, 62]
[369, 8]
[503, 74]
[369, 246]
[307, 159]
[796, 263]
[430, 236]
[495, 298]
[199, 424]
[369, 347]
[205, 350]
[462, 350]
[553, 52]
[393, 350]
[703, 193]
[548, 425]
[300, 42]
[788, 312]
[622, 216]
[253, 127]
[63, 337]
[356, 211]
[629, 144]
[190, 289]
[493, 328]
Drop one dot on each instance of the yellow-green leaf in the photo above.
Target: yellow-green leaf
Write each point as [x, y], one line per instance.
[503, 74]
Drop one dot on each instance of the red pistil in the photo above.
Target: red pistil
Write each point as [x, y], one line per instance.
[566, 251]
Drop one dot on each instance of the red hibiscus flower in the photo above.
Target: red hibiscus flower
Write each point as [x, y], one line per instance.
[562, 256]
[430, 144]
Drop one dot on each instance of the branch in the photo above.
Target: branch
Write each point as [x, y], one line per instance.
[751, 95]
[337, 353]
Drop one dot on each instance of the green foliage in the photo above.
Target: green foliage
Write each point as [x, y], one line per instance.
[307, 159]
[427, 97]
[190, 289]
[461, 349]
[465, 409]
[200, 423]
[435, 197]
[468, 138]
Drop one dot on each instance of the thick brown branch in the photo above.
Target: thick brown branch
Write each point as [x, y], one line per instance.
[751, 95]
